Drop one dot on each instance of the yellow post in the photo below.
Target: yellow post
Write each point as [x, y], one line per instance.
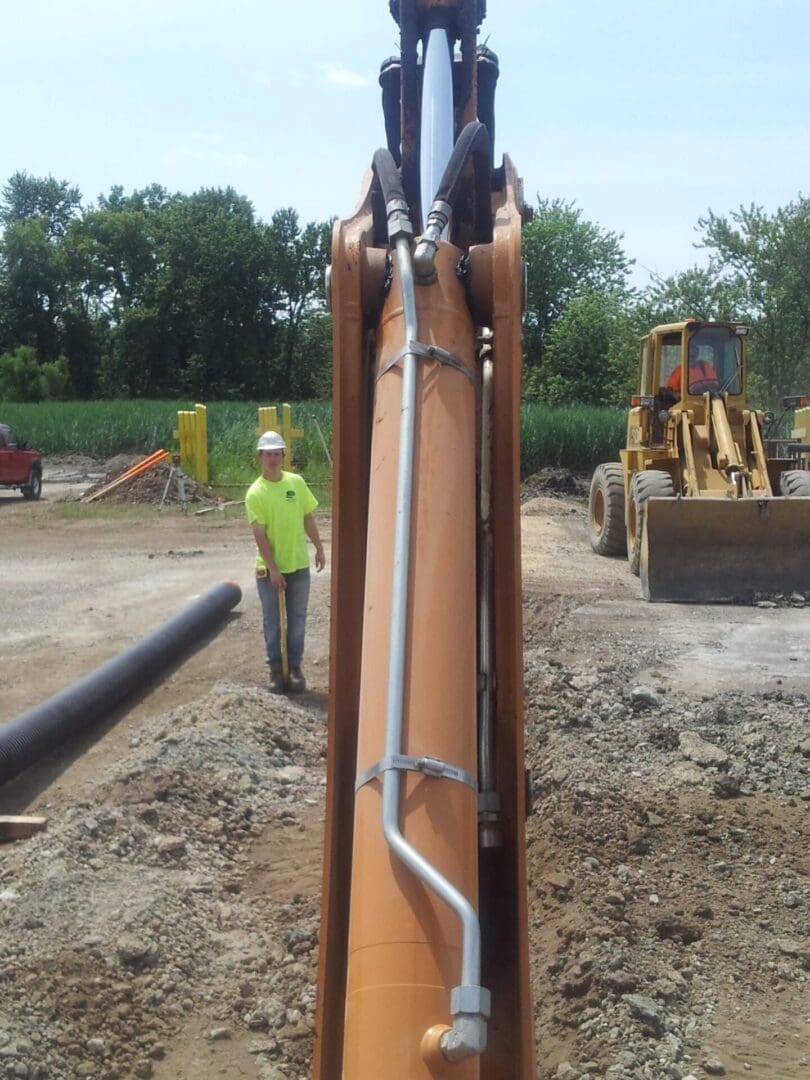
[186, 446]
[268, 419]
[801, 431]
[201, 443]
[801, 425]
[289, 433]
[192, 435]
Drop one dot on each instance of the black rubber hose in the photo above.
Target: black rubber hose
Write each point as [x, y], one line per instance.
[472, 142]
[388, 175]
[390, 82]
[44, 727]
[488, 71]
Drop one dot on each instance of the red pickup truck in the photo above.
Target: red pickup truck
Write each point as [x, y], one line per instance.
[20, 466]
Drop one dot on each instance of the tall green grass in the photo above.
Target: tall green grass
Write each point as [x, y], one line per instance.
[104, 428]
[575, 437]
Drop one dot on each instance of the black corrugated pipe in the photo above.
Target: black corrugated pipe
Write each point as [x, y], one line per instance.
[473, 142]
[41, 729]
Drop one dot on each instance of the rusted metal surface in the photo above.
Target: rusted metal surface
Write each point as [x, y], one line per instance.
[351, 442]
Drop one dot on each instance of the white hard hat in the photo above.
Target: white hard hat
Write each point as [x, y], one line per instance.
[271, 440]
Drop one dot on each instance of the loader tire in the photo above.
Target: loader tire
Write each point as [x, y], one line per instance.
[649, 483]
[795, 484]
[606, 510]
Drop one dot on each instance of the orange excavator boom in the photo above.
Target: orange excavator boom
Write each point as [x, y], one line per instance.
[423, 968]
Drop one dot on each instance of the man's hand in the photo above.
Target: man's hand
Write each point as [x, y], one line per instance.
[320, 558]
[277, 580]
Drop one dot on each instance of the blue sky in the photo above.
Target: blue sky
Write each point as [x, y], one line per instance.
[645, 112]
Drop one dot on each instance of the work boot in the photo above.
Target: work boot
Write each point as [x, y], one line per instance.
[297, 681]
[276, 681]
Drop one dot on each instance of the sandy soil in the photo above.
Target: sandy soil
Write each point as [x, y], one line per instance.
[166, 922]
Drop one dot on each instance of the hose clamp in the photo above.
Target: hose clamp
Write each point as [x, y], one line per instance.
[428, 766]
[426, 352]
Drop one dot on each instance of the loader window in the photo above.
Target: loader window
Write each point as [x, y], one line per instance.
[645, 379]
[670, 359]
[715, 360]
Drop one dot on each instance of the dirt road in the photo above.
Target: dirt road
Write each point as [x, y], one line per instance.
[166, 922]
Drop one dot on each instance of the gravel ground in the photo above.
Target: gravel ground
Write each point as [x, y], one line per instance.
[166, 923]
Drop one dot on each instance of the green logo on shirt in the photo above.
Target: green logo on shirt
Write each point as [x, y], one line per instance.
[290, 494]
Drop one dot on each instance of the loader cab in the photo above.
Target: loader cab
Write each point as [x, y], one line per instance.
[695, 358]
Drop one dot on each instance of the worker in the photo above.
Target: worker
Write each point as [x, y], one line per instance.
[702, 377]
[280, 512]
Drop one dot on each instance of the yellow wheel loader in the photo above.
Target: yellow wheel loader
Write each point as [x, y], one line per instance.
[700, 510]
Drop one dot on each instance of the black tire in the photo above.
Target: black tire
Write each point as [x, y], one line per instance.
[795, 484]
[33, 489]
[606, 510]
[647, 484]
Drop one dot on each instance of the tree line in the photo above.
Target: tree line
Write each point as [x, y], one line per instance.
[583, 320]
[154, 294]
[158, 295]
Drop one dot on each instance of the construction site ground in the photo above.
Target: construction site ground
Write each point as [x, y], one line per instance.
[165, 924]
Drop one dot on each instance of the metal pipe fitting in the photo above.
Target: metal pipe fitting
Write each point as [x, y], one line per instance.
[427, 245]
[470, 1007]
[399, 221]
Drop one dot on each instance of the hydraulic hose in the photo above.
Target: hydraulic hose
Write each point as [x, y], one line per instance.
[473, 142]
[41, 729]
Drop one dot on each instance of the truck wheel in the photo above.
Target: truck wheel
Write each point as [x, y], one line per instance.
[649, 483]
[606, 510]
[33, 489]
[795, 484]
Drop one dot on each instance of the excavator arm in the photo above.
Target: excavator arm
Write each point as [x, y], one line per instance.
[423, 968]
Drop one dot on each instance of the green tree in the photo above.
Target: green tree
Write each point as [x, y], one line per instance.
[699, 293]
[590, 353]
[33, 288]
[300, 260]
[766, 259]
[312, 360]
[24, 378]
[35, 285]
[566, 257]
[53, 202]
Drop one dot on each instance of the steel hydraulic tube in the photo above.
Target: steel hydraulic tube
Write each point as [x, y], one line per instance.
[413, 931]
[46, 726]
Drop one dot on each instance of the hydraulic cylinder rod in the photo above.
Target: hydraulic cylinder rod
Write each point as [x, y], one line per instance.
[437, 136]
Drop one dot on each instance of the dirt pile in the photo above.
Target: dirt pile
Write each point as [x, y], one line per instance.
[139, 912]
[665, 869]
[152, 487]
[554, 481]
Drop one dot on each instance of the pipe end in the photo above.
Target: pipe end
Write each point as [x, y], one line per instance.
[431, 1047]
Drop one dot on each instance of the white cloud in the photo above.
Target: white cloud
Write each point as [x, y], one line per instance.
[341, 76]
